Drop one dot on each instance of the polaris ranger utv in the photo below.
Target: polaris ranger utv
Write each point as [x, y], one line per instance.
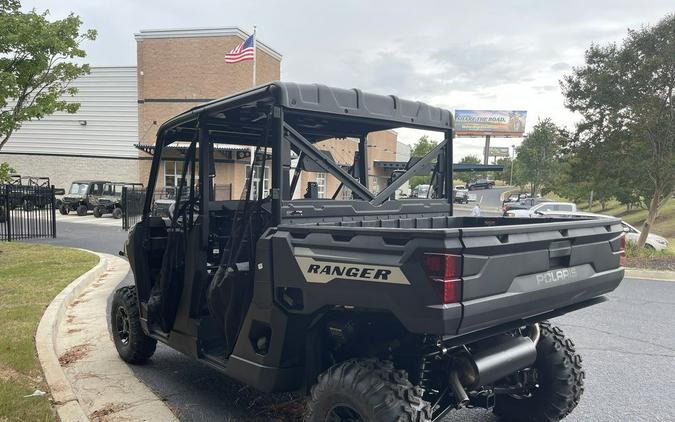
[110, 201]
[80, 196]
[381, 309]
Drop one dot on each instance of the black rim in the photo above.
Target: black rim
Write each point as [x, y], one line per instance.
[122, 325]
[343, 413]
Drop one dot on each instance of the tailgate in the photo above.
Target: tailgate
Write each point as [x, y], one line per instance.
[513, 272]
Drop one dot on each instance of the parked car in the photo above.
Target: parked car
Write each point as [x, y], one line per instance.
[376, 309]
[522, 204]
[420, 191]
[514, 197]
[540, 208]
[481, 184]
[80, 195]
[461, 194]
[654, 241]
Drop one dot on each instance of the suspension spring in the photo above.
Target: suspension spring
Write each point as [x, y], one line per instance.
[425, 371]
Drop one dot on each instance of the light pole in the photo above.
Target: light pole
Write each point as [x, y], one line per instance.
[513, 159]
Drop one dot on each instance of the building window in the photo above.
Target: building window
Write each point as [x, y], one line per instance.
[256, 179]
[321, 184]
[173, 171]
[346, 194]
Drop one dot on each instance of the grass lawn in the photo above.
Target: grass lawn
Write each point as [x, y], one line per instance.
[30, 276]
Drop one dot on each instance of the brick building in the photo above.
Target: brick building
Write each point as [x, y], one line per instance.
[113, 134]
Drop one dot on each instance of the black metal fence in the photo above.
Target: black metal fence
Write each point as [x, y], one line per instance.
[162, 202]
[132, 206]
[27, 212]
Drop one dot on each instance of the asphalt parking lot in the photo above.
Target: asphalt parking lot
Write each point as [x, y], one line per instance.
[628, 346]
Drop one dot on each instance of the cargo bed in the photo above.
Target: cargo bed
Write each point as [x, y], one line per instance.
[512, 269]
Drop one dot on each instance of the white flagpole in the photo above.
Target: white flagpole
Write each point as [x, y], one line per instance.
[254, 54]
[254, 191]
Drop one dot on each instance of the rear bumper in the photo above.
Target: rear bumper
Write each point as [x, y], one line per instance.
[520, 303]
[525, 303]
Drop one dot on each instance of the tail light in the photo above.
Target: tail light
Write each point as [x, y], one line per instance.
[446, 271]
[622, 250]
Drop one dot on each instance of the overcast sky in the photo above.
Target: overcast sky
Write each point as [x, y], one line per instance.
[475, 55]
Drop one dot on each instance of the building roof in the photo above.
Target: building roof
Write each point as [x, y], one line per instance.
[205, 32]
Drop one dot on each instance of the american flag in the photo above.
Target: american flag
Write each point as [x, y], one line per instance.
[243, 51]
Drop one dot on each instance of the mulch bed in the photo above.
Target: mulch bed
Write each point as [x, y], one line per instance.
[666, 263]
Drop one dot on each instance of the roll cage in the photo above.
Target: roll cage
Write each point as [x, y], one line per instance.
[289, 119]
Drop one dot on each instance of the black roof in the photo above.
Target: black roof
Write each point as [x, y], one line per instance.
[237, 117]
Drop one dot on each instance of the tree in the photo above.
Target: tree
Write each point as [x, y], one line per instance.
[467, 176]
[625, 94]
[422, 147]
[5, 171]
[537, 157]
[36, 65]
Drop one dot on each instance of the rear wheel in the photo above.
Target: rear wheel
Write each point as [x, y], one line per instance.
[97, 212]
[82, 210]
[366, 390]
[117, 213]
[132, 344]
[64, 210]
[559, 386]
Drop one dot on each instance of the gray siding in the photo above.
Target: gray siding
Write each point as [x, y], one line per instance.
[109, 104]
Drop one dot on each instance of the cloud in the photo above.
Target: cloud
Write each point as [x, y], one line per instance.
[560, 66]
[489, 54]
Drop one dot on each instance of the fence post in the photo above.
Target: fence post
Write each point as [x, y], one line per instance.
[53, 212]
[125, 209]
[8, 215]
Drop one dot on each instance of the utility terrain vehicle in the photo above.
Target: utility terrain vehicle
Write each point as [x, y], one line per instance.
[80, 196]
[110, 201]
[28, 192]
[380, 309]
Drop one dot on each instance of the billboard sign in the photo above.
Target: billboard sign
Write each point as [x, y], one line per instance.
[498, 123]
[498, 152]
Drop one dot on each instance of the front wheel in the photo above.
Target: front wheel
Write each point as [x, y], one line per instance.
[97, 212]
[559, 386]
[366, 390]
[132, 344]
[82, 210]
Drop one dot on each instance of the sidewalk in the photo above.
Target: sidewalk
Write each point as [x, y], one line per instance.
[101, 384]
[650, 274]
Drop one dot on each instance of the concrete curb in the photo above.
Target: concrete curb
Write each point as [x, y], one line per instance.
[93, 381]
[650, 275]
[64, 398]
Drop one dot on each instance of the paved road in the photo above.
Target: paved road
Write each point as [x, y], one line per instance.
[628, 346]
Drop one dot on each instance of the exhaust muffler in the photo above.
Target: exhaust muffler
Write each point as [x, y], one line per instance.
[496, 358]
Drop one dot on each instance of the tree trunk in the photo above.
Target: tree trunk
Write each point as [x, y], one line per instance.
[651, 217]
[5, 139]
[590, 202]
